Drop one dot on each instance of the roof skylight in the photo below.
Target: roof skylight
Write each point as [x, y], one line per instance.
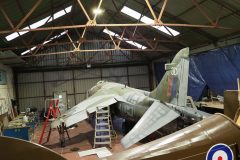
[136, 15]
[45, 42]
[40, 23]
[125, 39]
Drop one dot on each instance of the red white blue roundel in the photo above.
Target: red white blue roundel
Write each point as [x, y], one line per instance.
[220, 152]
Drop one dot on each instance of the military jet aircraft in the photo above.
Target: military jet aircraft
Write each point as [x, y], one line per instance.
[153, 110]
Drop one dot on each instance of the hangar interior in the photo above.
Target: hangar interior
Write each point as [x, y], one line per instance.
[52, 52]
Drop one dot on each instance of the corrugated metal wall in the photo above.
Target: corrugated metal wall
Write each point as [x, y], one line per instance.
[35, 87]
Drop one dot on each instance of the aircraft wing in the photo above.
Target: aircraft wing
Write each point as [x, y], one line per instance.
[157, 116]
[80, 111]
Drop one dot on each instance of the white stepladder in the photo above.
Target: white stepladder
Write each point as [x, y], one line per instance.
[103, 127]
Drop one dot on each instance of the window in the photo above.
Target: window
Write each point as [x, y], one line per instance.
[136, 15]
[45, 42]
[125, 39]
[40, 23]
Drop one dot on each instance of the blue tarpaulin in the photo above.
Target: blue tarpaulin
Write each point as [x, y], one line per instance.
[217, 69]
[159, 68]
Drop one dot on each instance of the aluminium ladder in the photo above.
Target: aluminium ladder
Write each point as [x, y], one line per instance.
[103, 127]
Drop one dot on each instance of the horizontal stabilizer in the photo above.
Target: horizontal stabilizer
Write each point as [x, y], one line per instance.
[157, 116]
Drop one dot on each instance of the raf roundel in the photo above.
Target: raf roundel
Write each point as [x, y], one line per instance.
[220, 152]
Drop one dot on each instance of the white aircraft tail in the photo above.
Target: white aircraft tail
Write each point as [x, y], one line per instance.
[174, 84]
[172, 89]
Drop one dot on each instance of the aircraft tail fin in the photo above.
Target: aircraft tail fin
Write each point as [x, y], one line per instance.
[174, 84]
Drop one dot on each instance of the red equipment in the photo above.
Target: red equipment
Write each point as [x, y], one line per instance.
[53, 110]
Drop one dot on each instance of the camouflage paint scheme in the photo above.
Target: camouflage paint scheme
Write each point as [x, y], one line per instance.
[148, 108]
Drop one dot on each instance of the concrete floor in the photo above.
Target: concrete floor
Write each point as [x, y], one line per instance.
[81, 137]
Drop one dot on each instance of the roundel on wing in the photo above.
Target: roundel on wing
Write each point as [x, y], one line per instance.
[220, 152]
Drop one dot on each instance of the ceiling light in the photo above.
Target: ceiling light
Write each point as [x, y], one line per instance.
[136, 15]
[97, 11]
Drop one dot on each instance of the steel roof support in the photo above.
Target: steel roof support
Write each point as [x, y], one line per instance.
[118, 25]
[111, 37]
[11, 24]
[151, 10]
[118, 46]
[203, 12]
[100, 50]
[40, 46]
[84, 10]
[28, 14]
[81, 38]
[74, 46]
[162, 10]
[99, 5]
[86, 41]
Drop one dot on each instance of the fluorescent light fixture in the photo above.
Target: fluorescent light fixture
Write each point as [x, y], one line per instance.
[125, 39]
[97, 11]
[40, 23]
[136, 15]
[45, 42]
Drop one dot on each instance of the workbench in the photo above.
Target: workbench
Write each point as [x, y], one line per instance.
[17, 128]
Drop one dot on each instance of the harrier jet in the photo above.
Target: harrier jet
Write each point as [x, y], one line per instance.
[153, 110]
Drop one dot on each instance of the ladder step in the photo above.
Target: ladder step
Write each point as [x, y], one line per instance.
[103, 127]
[102, 130]
[106, 136]
[107, 142]
[100, 118]
[102, 124]
[101, 112]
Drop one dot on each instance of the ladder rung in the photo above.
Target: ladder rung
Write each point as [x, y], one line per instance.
[103, 127]
[102, 117]
[107, 142]
[102, 130]
[106, 136]
[102, 124]
[97, 128]
[100, 112]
